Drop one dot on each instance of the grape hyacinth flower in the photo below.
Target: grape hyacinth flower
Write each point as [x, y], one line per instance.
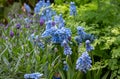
[67, 49]
[11, 33]
[49, 32]
[48, 25]
[48, 15]
[61, 24]
[78, 40]
[47, 3]
[43, 16]
[60, 35]
[61, 18]
[81, 32]
[38, 7]
[27, 8]
[88, 46]
[33, 76]
[72, 9]
[81, 35]
[56, 19]
[65, 66]
[57, 35]
[84, 62]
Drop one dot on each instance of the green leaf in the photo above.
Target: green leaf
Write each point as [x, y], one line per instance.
[116, 53]
[61, 74]
[5, 60]
[18, 62]
[106, 75]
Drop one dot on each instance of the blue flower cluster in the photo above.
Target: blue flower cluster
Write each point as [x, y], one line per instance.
[72, 9]
[46, 12]
[84, 62]
[83, 36]
[57, 34]
[33, 76]
[35, 41]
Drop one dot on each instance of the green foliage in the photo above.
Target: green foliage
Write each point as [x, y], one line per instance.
[101, 18]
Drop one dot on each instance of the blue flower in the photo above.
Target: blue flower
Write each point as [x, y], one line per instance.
[42, 16]
[56, 19]
[27, 8]
[62, 34]
[48, 3]
[72, 9]
[88, 46]
[49, 32]
[81, 32]
[48, 25]
[81, 35]
[65, 66]
[84, 62]
[48, 15]
[67, 49]
[78, 39]
[38, 7]
[33, 76]
[60, 18]
[61, 24]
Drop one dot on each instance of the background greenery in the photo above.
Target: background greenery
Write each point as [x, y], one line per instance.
[99, 17]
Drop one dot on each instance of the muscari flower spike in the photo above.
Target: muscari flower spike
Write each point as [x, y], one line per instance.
[81, 35]
[72, 9]
[65, 66]
[47, 3]
[33, 76]
[48, 15]
[88, 46]
[67, 49]
[84, 62]
[56, 19]
[38, 7]
[49, 32]
[81, 32]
